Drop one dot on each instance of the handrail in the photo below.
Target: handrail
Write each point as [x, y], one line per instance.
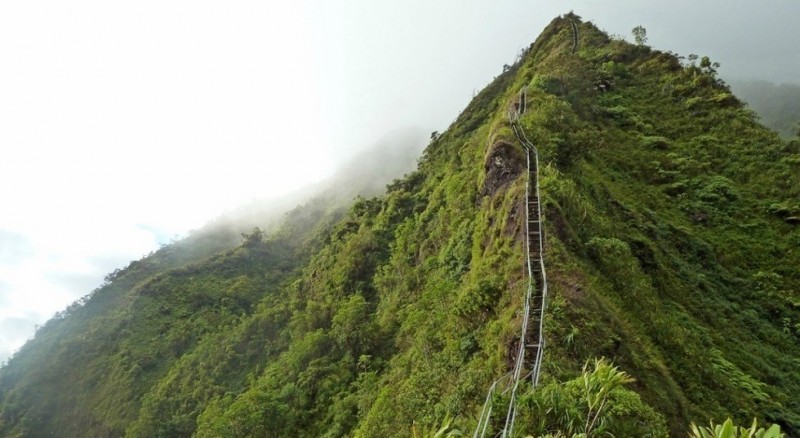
[574, 35]
[488, 405]
[519, 363]
[528, 145]
[511, 415]
[519, 132]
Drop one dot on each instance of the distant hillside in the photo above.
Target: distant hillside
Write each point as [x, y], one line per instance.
[366, 174]
[672, 228]
[777, 105]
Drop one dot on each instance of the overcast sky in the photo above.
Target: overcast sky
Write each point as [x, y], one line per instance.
[123, 124]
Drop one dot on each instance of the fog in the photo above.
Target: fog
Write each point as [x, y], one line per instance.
[123, 125]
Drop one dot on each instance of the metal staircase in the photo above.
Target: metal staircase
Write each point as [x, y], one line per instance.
[533, 335]
[527, 362]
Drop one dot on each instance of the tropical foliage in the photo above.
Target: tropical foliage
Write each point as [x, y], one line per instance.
[729, 430]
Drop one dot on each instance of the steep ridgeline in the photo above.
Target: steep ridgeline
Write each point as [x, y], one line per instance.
[530, 344]
[671, 240]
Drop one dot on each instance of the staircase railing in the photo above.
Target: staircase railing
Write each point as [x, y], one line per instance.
[535, 295]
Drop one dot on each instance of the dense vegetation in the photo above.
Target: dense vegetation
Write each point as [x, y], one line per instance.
[672, 243]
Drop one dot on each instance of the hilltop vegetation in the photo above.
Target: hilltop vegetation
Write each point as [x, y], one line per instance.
[672, 236]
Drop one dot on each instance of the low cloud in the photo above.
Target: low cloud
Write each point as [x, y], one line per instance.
[5, 291]
[14, 332]
[13, 247]
[44, 270]
[80, 284]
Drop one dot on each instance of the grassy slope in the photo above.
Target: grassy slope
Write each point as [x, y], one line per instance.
[665, 257]
[661, 251]
[86, 370]
[669, 295]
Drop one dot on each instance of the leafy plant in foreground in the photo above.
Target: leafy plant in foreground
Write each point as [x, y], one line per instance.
[594, 404]
[445, 430]
[729, 430]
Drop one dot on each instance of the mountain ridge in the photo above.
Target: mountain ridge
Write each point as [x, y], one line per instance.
[664, 255]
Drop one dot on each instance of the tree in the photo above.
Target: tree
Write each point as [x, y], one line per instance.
[255, 237]
[640, 35]
[352, 327]
[709, 67]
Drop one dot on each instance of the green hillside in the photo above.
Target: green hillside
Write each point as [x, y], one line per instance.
[672, 243]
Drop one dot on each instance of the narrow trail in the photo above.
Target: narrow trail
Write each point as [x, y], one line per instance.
[528, 360]
[574, 35]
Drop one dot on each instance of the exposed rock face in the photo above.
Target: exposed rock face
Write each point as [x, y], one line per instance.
[503, 164]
